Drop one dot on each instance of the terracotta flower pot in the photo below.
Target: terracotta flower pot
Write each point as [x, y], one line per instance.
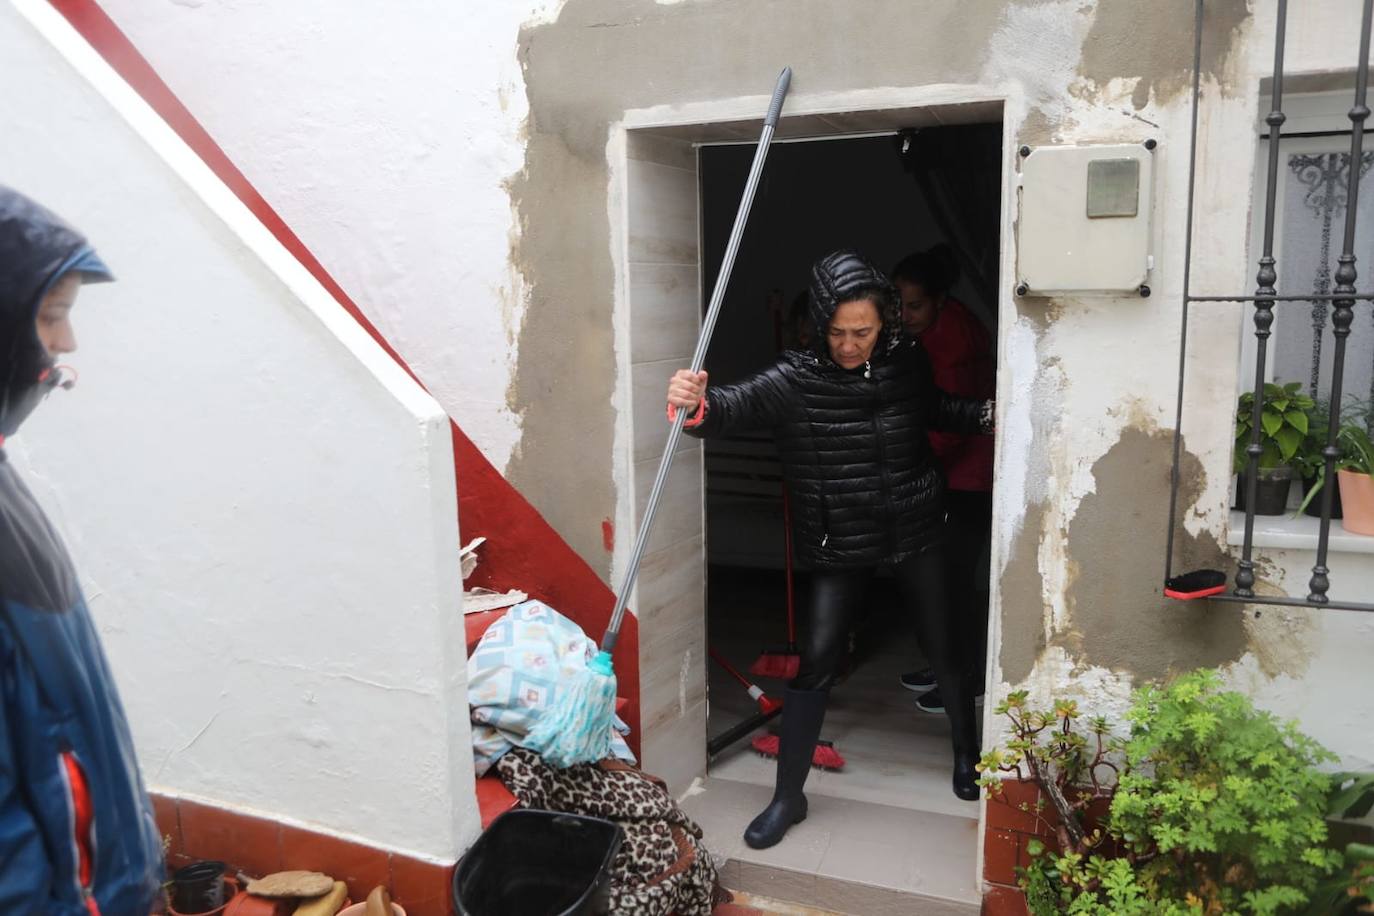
[1357, 499]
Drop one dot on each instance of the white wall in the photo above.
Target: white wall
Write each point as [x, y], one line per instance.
[383, 135]
[260, 503]
[1330, 698]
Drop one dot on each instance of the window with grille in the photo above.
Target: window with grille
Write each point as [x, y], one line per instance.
[1310, 210]
[1310, 324]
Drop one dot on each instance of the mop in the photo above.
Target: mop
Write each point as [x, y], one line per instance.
[783, 663]
[578, 728]
[824, 757]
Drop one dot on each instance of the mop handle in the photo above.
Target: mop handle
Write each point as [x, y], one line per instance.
[699, 357]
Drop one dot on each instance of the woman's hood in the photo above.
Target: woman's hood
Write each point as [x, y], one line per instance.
[844, 275]
[36, 249]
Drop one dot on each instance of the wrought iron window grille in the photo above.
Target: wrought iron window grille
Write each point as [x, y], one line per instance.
[1212, 584]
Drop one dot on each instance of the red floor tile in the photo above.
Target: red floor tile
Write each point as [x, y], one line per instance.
[168, 821]
[423, 888]
[360, 867]
[1004, 901]
[493, 799]
[1001, 856]
[245, 842]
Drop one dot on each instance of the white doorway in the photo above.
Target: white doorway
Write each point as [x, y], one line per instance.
[676, 179]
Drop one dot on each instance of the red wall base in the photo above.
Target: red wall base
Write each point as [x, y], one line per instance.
[1009, 830]
[258, 846]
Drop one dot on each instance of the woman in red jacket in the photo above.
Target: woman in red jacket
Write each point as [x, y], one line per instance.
[960, 351]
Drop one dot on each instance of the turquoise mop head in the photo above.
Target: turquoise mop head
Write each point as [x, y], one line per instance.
[578, 728]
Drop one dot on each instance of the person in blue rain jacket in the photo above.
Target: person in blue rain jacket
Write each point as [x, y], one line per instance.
[77, 834]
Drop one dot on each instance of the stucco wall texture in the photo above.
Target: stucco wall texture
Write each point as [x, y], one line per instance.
[1086, 386]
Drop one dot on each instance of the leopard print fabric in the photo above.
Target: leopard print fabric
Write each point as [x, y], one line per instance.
[662, 868]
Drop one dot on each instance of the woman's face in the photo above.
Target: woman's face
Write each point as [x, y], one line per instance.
[919, 308]
[853, 333]
[53, 321]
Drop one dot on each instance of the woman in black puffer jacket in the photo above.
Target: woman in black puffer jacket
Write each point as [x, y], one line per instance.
[850, 419]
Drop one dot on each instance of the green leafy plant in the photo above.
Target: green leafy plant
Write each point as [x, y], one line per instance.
[1352, 889]
[1284, 416]
[1357, 449]
[1309, 461]
[1217, 807]
[1072, 771]
[1356, 454]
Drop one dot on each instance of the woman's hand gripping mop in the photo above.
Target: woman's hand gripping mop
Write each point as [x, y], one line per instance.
[578, 729]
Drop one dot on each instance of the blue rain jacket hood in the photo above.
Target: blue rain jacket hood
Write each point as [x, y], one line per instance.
[65, 746]
[36, 250]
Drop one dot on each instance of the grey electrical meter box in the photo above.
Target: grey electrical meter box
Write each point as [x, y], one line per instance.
[1084, 225]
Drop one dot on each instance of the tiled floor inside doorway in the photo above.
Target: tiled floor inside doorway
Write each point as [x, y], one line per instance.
[881, 831]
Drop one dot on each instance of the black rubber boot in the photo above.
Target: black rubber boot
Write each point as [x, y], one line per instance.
[966, 776]
[963, 727]
[802, 714]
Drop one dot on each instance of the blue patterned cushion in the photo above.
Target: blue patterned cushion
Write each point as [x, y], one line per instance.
[514, 675]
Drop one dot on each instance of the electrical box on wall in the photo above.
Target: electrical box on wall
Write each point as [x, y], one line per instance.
[1085, 219]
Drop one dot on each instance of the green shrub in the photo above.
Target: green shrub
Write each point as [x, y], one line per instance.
[1217, 808]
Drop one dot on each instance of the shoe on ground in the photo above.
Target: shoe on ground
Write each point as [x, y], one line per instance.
[965, 781]
[930, 702]
[772, 824]
[919, 681]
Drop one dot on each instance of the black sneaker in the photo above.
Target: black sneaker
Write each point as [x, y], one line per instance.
[930, 702]
[919, 681]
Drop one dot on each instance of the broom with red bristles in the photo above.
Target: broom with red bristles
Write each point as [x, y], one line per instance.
[824, 757]
[783, 663]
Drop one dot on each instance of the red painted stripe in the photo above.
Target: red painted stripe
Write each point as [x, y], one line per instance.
[523, 551]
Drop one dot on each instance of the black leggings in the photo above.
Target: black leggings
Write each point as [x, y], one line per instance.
[970, 539]
[921, 581]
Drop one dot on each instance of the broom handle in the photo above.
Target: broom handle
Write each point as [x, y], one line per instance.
[719, 660]
[708, 325]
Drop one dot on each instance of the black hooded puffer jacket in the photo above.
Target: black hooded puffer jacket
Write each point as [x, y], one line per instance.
[865, 486]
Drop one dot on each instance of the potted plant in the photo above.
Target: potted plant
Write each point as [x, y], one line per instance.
[1215, 807]
[1310, 463]
[1354, 470]
[1284, 412]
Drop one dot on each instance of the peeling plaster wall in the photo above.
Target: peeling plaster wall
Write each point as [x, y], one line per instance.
[527, 195]
[235, 454]
[1086, 448]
